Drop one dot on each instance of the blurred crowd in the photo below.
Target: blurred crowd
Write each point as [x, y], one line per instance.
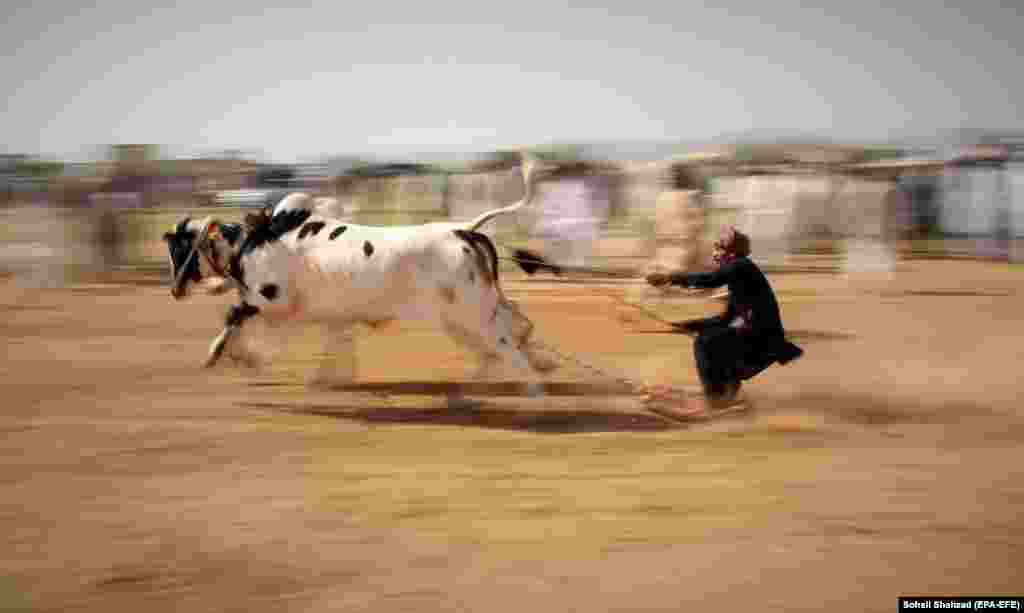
[868, 207]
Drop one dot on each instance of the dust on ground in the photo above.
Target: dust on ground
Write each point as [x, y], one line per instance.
[885, 462]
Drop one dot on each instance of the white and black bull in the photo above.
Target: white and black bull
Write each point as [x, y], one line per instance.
[296, 265]
[203, 262]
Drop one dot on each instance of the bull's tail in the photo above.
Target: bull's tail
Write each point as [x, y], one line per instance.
[531, 262]
[486, 253]
[528, 168]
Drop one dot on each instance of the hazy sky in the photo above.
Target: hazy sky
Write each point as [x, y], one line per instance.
[389, 76]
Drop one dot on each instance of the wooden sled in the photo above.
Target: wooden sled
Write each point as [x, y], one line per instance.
[684, 407]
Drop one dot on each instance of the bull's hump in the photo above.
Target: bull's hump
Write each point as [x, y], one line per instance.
[264, 230]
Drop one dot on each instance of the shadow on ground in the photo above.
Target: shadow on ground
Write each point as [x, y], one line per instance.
[543, 421]
[792, 335]
[858, 410]
[437, 388]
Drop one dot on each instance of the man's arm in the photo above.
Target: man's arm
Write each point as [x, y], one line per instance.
[707, 280]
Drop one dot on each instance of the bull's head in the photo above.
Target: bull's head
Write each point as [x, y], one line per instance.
[200, 250]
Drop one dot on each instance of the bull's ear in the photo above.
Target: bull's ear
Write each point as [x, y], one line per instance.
[168, 236]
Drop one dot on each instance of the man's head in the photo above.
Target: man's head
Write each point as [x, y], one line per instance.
[731, 244]
[199, 249]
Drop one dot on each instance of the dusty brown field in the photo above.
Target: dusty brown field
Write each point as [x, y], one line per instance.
[885, 463]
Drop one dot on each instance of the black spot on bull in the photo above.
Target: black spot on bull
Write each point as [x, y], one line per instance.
[269, 291]
[485, 251]
[337, 232]
[368, 248]
[262, 230]
[311, 229]
[239, 313]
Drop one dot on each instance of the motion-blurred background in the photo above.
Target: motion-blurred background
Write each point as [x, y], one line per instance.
[873, 151]
[862, 134]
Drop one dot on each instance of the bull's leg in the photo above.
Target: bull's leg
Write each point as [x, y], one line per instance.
[521, 329]
[229, 339]
[457, 400]
[511, 331]
[512, 355]
[495, 341]
[242, 353]
[336, 365]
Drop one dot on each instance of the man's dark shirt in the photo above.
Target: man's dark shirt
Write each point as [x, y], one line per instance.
[750, 297]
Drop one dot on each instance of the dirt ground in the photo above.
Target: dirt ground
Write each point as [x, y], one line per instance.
[886, 462]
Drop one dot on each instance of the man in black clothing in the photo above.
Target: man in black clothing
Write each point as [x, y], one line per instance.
[748, 337]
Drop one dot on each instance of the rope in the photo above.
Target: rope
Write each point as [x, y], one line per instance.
[559, 268]
[623, 380]
[573, 359]
[603, 374]
[649, 313]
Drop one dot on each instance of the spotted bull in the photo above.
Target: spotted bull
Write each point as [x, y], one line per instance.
[297, 265]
